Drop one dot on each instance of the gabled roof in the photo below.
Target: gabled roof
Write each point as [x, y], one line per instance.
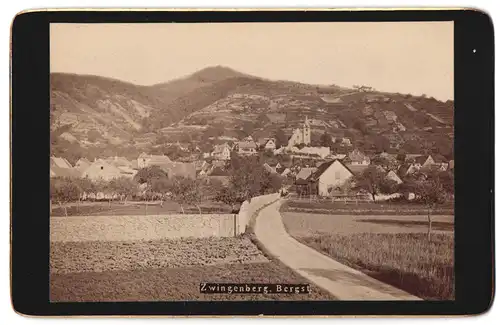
[404, 169]
[357, 155]
[421, 159]
[412, 156]
[269, 168]
[219, 148]
[356, 169]
[173, 169]
[246, 145]
[60, 162]
[82, 164]
[119, 161]
[321, 169]
[392, 175]
[305, 172]
[56, 171]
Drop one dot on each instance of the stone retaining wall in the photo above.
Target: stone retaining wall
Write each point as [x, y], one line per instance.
[154, 227]
[129, 228]
[248, 208]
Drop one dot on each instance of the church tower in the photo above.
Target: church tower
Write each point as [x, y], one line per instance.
[306, 132]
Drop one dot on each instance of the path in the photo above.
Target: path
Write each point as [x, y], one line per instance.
[341, 281]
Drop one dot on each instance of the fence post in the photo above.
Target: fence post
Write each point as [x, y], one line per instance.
[236, 225]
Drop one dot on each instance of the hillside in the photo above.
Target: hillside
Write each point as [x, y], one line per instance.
[106, 115]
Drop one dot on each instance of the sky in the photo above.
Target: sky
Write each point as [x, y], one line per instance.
[406, 57]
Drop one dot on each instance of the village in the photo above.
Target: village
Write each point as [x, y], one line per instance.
[305, 170]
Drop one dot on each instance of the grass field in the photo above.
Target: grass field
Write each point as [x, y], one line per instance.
[136, 208]
[304, 224]
[393, 249]
[166, 270]
[362, 208]
[406, 261]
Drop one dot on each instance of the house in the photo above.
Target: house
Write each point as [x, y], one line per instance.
[179, 169]
[218, 174]
[284, 171]
[247, 148]
[269, 168]
[322, 152]
[407, 169]
[339, 156]
[205, 169]
[82, 164]
[410, 157]
[305, 172]
[345, 142]
[329, 176]
[221, 152]
[356, 157]
[101, 169]
[272, 167]
[300, 135]
[267, 143]
[119, 161]
[394, 177]
[356, 169]
[451, 165]
[56, 171]
[127, 171]
[145, 160]
[60, 162]
[440, 166]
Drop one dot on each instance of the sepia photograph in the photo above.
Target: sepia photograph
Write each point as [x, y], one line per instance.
[304, 161]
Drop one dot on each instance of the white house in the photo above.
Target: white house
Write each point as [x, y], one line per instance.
[323, 152]
[424, 162]
[221, 152]
[270, 144]
[247, 148]
[145, 160]
[100, 169]
[330, 176]
[356, 157]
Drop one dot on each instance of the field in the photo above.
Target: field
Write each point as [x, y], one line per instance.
[166, 270]
[363, 208]
[393, 249]
[136, 208]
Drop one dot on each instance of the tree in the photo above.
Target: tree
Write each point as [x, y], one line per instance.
[187, 191]
[124, 187]
[431, 193]
[326, 140]
[281, 138]
[146, 175]
[247, 176]
[361, 127]
[374, 181]
[385, 162]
